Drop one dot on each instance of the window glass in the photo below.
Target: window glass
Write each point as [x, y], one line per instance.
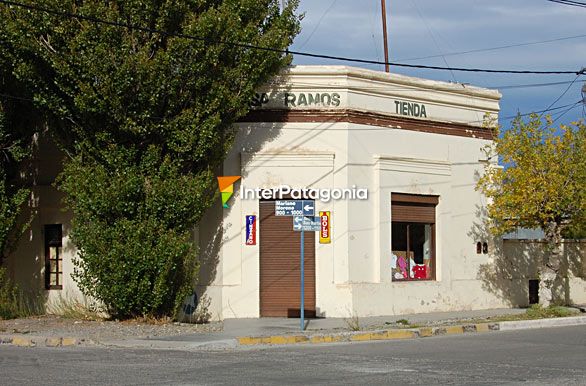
[412, 243]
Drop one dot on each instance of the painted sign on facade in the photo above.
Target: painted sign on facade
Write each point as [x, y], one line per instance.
[410, 109]
[320, 99]
[251, 230]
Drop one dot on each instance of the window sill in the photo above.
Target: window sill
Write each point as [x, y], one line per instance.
[54, 287]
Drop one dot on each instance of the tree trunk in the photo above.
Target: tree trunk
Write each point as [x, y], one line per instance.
[550, 267]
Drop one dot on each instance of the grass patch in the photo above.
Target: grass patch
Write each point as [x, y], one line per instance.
[353, 322]
[13, 302]
[538, 312]
[74, 309]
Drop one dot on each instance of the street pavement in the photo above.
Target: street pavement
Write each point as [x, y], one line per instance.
[549, 356]
[234, 328]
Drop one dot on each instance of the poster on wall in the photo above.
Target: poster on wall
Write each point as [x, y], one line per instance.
[325, 232]
[251, 230]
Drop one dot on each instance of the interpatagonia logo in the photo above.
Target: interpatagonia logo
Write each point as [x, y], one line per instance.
[226, 185]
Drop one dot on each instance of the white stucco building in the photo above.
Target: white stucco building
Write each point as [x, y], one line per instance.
[404, 153]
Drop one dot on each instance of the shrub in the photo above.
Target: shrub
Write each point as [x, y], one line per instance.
[132, 222]
[13, 302]
[9, 298]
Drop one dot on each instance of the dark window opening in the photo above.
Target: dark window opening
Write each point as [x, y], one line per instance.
[53, 256]
[413, 237]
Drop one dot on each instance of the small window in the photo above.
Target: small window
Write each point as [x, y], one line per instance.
[53, 256]
[413, 237]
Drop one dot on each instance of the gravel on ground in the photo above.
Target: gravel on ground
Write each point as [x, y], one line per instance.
[101, 330]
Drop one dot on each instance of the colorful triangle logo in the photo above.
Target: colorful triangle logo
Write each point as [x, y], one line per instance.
[226, 185]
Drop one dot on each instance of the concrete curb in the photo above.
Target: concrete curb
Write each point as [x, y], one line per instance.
[290, 339]
[409, 333]
[362, 336]
[221, 344]
[543, 323]
[34, 341]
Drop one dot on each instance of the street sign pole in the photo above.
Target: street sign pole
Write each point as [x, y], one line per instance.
[302, 280]
[303, 213]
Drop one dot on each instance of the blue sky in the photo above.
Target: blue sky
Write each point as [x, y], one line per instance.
[420, 31]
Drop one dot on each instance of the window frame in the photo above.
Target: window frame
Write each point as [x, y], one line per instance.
[51, 229]
[415, 200]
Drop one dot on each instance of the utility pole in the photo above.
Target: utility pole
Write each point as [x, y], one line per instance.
[386, 43]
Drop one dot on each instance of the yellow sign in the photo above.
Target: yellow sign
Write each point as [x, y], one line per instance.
[325, 231]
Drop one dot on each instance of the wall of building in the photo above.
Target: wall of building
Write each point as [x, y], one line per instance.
[354, 272]
[26, 264]
[518, 261]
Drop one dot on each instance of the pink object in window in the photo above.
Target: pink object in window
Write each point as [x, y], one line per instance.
[402, 263]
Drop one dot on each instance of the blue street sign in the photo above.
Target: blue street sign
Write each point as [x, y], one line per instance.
[289, 208]
[294, 208]
[308, 208]
[305, 223]
[298, 223]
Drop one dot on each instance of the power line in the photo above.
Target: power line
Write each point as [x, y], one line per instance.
[318, 23]
[565, 112]
[529, 85]
[564, 93]
[497, 47]
[568, 2]
[433, 37]
[277, 50]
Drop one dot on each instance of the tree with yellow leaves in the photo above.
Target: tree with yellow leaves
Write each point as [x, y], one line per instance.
[540, 183]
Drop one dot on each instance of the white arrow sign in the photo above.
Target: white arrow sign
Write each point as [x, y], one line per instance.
[297, 223]
[308, 208]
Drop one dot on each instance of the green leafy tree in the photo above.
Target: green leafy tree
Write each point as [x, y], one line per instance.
[12, 195]
[542, 184]
[17, 125]
[144, 105]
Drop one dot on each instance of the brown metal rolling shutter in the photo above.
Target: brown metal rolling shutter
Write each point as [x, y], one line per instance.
[280, 268]
[413, 208]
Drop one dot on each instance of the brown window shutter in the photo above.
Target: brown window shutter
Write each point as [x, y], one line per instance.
[413, 208]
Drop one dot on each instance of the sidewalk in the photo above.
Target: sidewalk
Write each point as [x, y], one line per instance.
[245, 332]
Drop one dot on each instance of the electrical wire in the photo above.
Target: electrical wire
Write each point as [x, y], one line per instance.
[277, 50]
[318, 24]
[496, 48]
[565, 112]
[564, 93]
[568, 2]
[429, 30]
[508, 87]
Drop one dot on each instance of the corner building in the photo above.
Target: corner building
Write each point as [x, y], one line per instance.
[410, 247]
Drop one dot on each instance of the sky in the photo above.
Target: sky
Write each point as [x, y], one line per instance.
[436, 32]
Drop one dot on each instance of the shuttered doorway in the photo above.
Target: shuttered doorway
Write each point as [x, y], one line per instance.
[280, 275]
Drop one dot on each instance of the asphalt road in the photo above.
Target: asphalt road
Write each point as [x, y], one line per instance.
[552, 356]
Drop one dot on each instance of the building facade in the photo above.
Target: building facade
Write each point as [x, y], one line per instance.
[388, 165]
[414, 145]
